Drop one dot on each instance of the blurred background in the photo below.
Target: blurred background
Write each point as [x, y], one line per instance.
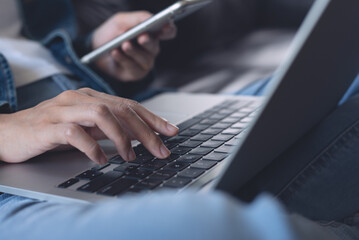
[219, 49]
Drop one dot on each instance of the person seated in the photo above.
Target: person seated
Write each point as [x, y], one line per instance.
[51, 117]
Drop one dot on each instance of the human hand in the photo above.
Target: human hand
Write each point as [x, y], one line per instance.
[79, 118]
[131, 62]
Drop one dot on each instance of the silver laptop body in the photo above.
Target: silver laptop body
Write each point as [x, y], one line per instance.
[324, 60]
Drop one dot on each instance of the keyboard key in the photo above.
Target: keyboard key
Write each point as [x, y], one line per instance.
[177, 139]
[239, 125]
[201, 151]
[170, 145]
[215, 156]
[230, 120]
[247, 120]
[176, 166]
[163, 138]
[116, 160]
[217, 116]
[89, 175]
[138, 174]
[163, 175]
[100, 167]
[221, 125]
[126, 167]
[188, 123]
[117, 187]
[189, 132]
[224, 149]
[232, 142]
[190, 144]
[148, 184]
[238, 105]
[199, 127]
[180, 150]
[209, 121]
[232, 131]
[221, 137]
[177, 182]
[100, 182]
[171, 158]
[139, 149]
[134, 190]
[154, 165]
[189, 158]
[212, 144]
[141, 159]
[203, 115]
[231, 102]
[201, 137]
[203, 164]
[239, 115]
[191, 173]
[212, 131]
[69, 183]
[247, 110]
[226, 111]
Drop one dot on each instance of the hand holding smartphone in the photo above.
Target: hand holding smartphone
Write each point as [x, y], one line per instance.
[175, 12]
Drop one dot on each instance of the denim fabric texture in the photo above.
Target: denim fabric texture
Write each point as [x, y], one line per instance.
[7, 89]
[54, 25]
[317, 177]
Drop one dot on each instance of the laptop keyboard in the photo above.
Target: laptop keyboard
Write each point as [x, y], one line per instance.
[202, 142]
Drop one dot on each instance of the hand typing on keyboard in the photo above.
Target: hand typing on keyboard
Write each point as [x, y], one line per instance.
[78, 119]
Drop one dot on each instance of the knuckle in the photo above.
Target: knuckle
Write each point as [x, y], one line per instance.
[99, 110]
[125, 109]
[86, 90]
[66, 95]
[71, 131]
[132, 103]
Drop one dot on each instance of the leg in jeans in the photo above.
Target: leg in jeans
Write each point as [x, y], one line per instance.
[318, 177]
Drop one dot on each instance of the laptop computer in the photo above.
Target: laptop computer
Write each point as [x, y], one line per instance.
[224, 140]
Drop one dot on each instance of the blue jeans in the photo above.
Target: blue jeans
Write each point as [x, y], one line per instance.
[316, 178]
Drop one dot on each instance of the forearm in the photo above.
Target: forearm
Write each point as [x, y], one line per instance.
[159, 216]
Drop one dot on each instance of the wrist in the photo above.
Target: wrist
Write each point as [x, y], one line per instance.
[6, 135]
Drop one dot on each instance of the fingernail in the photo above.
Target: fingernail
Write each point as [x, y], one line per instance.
[144, 39]
[164, 151]
[131, 155]
[127, 47]
[172, 128]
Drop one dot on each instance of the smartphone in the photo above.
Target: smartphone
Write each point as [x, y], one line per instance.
[175, 12]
